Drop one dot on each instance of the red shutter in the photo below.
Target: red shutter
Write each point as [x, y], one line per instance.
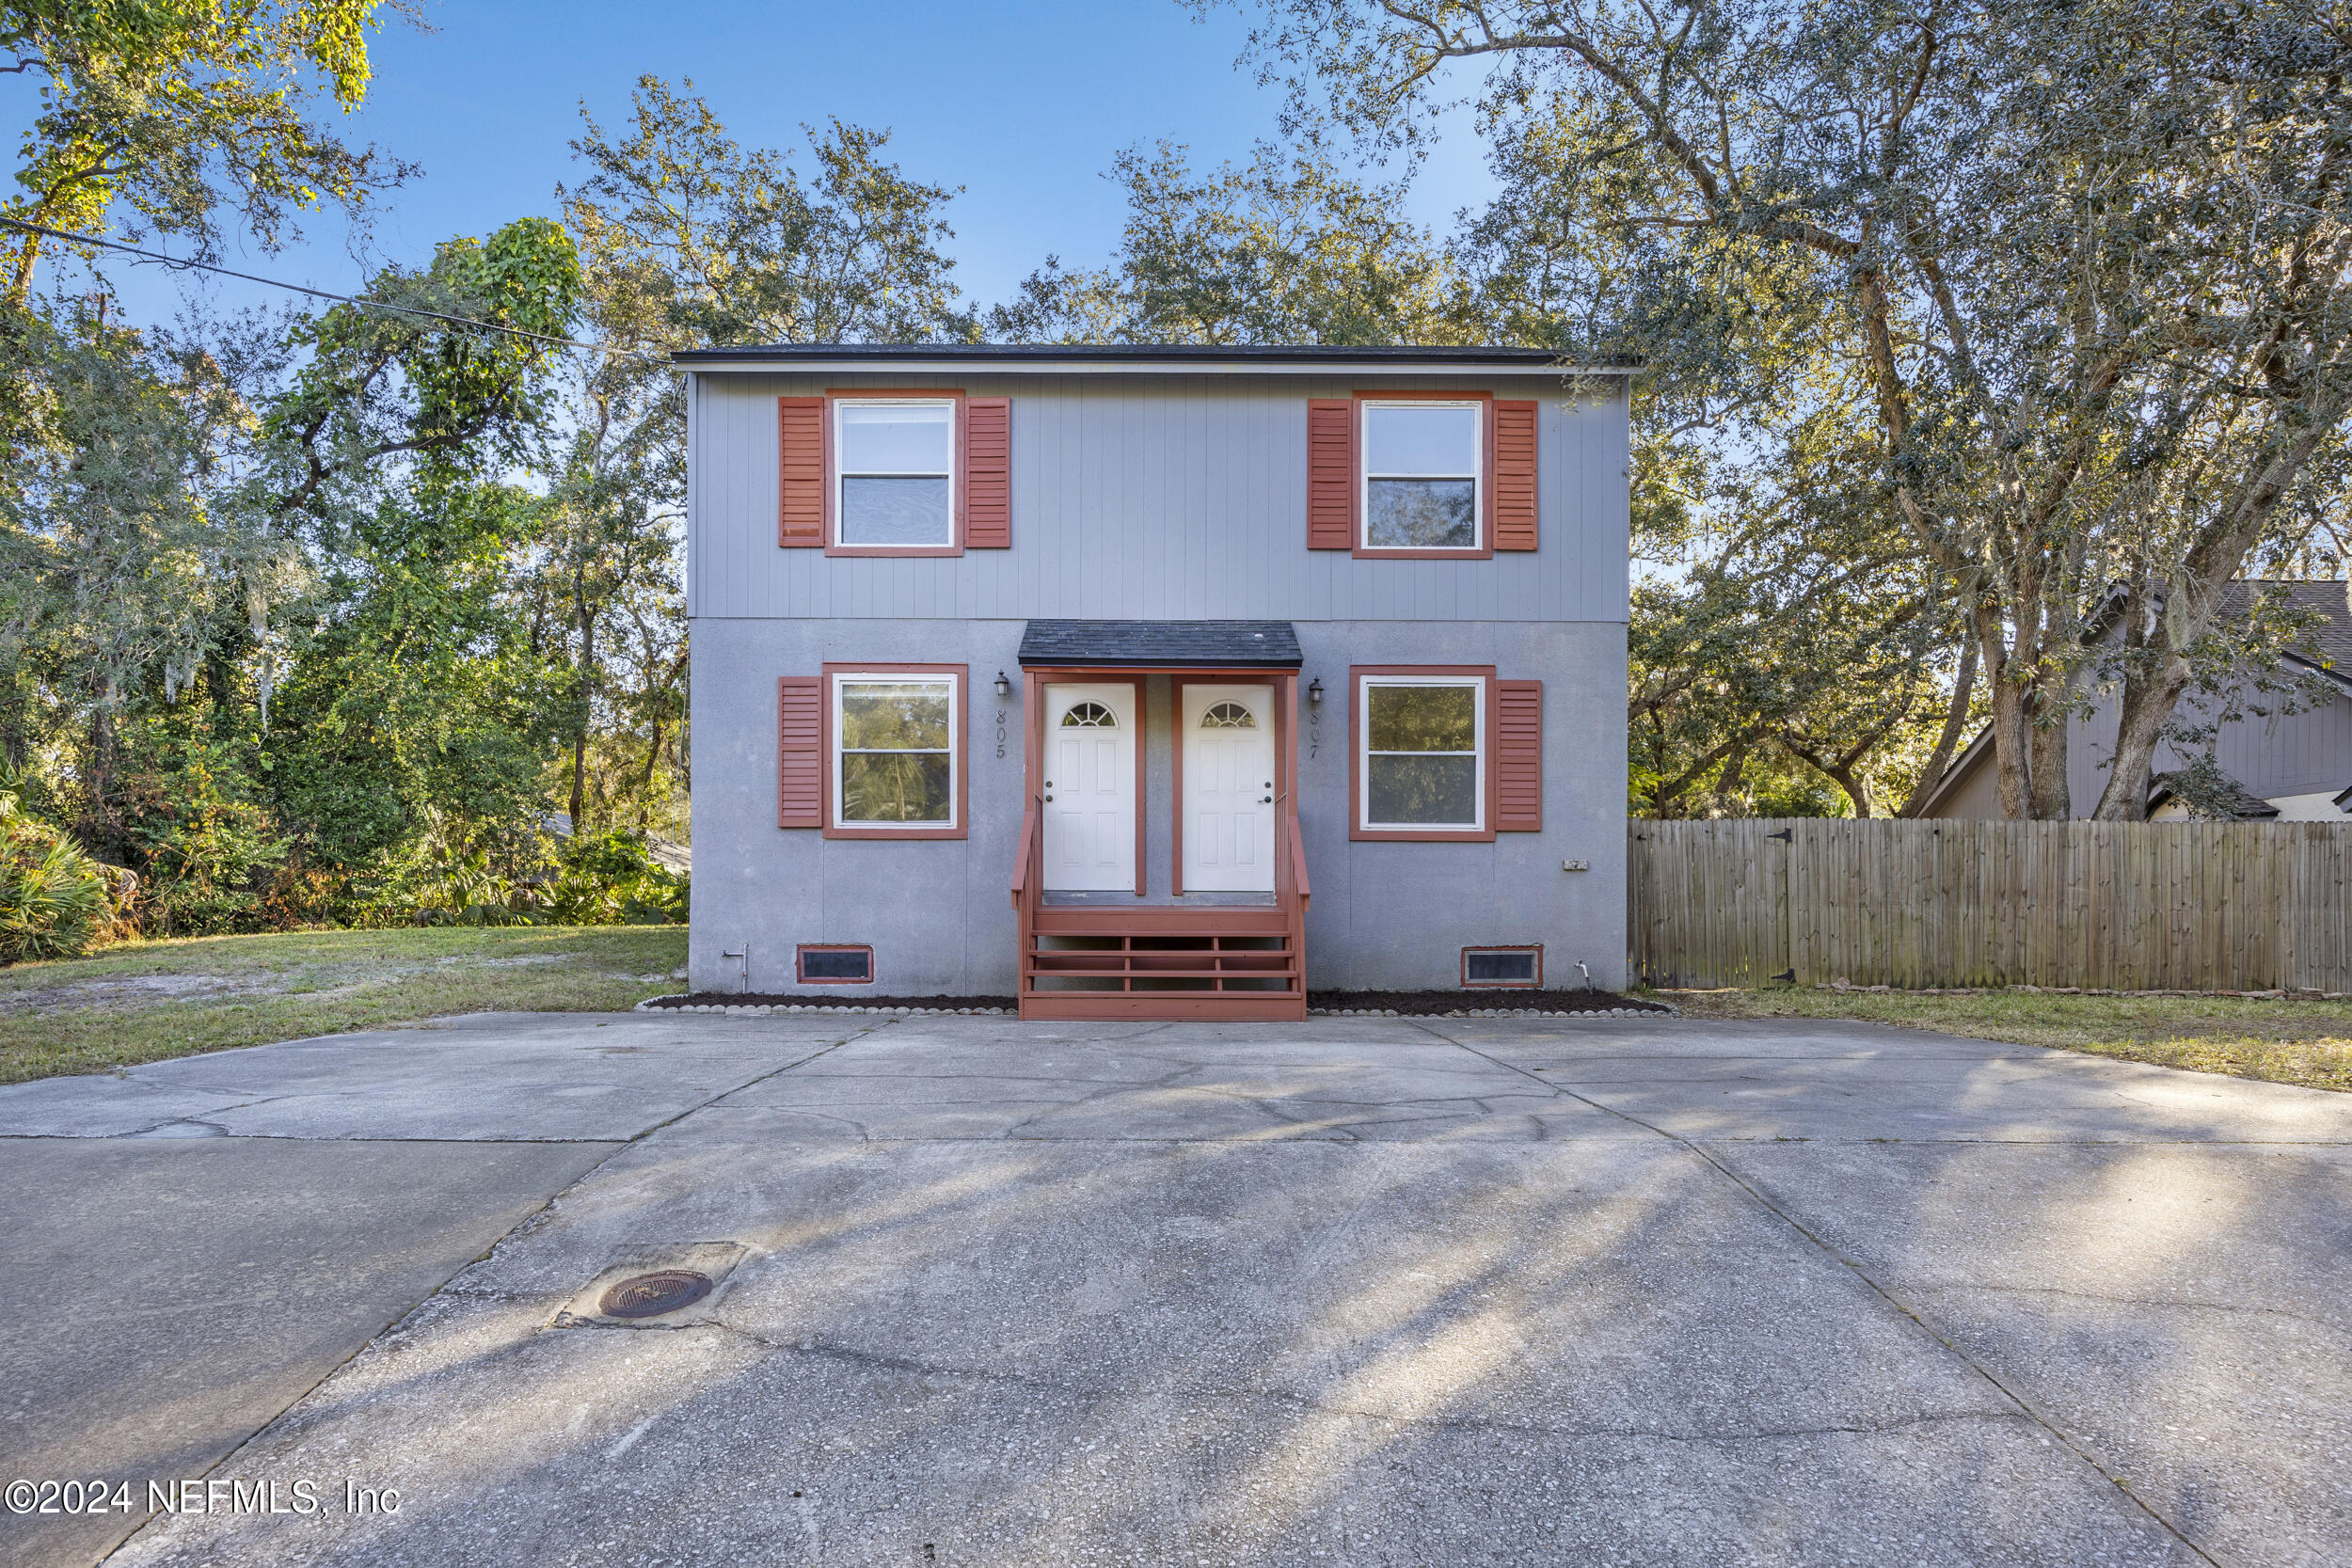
[988, 473]
[1518, 756]
[1515, 476]
[800, 473]
[1331, 474]
[800, 752]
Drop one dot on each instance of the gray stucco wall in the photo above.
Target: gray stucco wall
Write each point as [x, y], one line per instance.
[937, 911]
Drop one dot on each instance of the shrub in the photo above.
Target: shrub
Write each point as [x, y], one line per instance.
[213, 856]
[613, 880]
[462, 888]
[212, 866]
[607, 880]
[54, 898]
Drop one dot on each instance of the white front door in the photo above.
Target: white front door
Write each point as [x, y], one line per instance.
[1089, 793]
[1229, 788]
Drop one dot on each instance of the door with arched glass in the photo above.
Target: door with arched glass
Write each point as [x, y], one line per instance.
[1088, 798]
[1229, 788]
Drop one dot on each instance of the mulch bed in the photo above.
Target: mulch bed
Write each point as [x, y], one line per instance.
[1404, 1004]
[806, 999]
[1437, 1004]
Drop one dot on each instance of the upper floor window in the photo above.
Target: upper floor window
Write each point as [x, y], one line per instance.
[895, 463]
[1420, 476]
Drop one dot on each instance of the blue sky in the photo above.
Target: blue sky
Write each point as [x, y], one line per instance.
[1023, 106]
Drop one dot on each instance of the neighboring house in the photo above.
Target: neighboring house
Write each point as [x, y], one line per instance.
[2275, 766]
[1155, 682]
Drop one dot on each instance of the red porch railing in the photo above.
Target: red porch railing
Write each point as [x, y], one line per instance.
[1218, 962]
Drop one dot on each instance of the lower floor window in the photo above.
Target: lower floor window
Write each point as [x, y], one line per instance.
[1423, 762]
[894, 751]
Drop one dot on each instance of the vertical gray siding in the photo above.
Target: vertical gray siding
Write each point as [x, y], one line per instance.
[2273, 753]
[1160, 497]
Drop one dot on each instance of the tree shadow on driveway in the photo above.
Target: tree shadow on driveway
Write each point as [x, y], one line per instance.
[1368, 1292]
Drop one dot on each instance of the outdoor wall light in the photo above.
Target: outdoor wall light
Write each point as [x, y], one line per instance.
[1003, 685]
[1314, 692]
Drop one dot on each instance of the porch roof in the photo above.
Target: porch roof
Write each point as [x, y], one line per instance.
[1161, 645]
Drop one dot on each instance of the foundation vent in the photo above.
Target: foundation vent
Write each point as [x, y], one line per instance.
[1484, 967]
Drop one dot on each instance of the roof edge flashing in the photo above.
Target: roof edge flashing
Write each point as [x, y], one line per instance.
[1098, 359]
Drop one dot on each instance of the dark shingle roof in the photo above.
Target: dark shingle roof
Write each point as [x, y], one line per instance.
[1161, 645]
[2329, 645]
[2332, 638]
[2211, 794]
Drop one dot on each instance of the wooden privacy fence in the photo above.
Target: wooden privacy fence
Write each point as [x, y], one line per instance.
[2124, 906]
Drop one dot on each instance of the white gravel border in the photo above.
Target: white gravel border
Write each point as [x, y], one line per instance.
[768, 1008]
[763, 1010]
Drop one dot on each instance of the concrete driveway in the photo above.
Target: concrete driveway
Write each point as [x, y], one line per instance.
[1353, 1292]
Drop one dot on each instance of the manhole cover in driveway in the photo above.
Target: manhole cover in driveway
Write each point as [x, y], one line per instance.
[669, 1285]
[649, 1295]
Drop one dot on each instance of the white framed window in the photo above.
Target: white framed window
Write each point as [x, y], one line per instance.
[894, 473]
[1422, 475]
[1423, 769]
[894, 751]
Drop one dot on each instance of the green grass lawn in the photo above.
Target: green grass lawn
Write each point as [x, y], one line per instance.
[2287, 1042]
[146, 1001]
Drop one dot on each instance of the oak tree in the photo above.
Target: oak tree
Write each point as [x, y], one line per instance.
[167, 112]
[2088, 259]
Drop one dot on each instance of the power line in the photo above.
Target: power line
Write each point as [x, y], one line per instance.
[183, 263]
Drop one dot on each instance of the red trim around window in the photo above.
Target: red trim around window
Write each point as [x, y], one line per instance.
[1537, 984]
[1486, 476]
[834, 395]
[958, 745]
[799, 963]
[1356, 828]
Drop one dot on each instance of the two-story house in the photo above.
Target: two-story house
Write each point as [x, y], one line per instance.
[1155, 682]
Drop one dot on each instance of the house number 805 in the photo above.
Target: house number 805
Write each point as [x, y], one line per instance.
[1000, 731]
